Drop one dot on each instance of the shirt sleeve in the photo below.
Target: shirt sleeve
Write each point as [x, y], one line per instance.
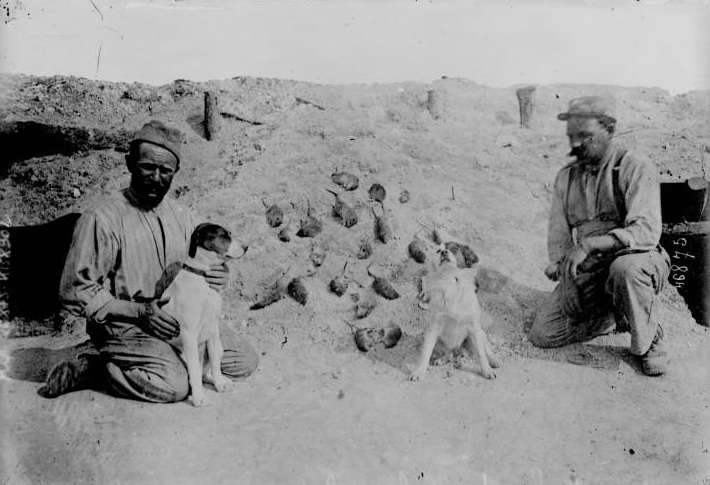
[559, 234]
[91, 258]
[638, 180]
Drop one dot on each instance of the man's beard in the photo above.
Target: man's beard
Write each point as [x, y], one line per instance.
[578, 152]
[150, 193]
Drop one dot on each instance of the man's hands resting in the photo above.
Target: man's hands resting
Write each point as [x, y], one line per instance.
[217, 276]
[569, 266]
[155, 321]
[576, 257]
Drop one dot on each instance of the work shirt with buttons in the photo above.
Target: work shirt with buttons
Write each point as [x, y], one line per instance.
[584, 204]
[120, 250]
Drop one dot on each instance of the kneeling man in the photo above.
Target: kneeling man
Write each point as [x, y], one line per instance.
[121, 251]
[603, 242]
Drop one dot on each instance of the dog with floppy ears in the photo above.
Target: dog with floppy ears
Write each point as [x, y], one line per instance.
[449, 293]
[197, 308]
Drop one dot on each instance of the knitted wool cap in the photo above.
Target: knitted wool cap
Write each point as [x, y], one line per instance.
[158, 133]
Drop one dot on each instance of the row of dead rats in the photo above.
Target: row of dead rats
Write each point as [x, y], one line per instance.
[309, 226]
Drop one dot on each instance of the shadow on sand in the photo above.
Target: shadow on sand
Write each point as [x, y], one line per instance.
[33, 363]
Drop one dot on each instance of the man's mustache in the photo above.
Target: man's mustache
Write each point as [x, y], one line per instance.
[158, 189]
[576, 152]
[153, 185]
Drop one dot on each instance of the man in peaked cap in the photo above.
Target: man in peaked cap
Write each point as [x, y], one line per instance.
[603, 242]
[120, 253]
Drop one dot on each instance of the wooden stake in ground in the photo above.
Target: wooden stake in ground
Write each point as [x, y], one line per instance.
[212, 117]
[434, 104]
[525, 100]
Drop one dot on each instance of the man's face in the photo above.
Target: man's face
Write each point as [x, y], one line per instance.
[588, 138]
[152, 173]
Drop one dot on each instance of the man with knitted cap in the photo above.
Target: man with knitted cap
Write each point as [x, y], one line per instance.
[122, 250]
[603, 242]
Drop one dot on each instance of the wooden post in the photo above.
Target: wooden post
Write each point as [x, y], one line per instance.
[212, 116]
[525, 100]
[434, 104]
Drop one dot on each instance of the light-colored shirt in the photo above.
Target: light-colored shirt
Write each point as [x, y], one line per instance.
[584, 204]
[119, 251]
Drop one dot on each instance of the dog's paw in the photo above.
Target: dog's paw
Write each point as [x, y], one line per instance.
[198, 400]
[414, 376]
[223, 384]
[488, 373]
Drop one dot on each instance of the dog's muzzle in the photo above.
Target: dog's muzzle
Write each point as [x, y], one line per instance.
[445, 256]
[236, 250]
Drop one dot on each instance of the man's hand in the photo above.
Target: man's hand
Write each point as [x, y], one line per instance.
[218, 276]
[573, 260]
[157, 322]
[553, 271]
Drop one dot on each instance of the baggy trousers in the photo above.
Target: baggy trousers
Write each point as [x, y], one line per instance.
[624, 294]
[140, 366]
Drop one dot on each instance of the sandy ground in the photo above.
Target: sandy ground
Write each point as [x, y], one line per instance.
[318, 410]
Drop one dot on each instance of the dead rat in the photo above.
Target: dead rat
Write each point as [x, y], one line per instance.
[377, 192]
[404, 196]
[344, 212]
[274, 214]
[317, 254]
[274, 294]
[383, 229]
[346, 180]
[365, 305]
[417, 250]
[365, 250]
[393, 333]
[297, 290]
[383, 287]
[367, 339]
[339, 284]
[310, 226]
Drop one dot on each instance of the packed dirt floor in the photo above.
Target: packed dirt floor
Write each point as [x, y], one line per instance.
[318, 410]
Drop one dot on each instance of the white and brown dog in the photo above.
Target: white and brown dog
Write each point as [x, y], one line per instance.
[197, 308]
[449, 292]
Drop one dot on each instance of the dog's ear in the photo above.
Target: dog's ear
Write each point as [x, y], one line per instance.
[196, 239]
[470, 256]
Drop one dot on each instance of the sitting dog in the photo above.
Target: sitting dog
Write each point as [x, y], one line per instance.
[197, 308]
[449, 292]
